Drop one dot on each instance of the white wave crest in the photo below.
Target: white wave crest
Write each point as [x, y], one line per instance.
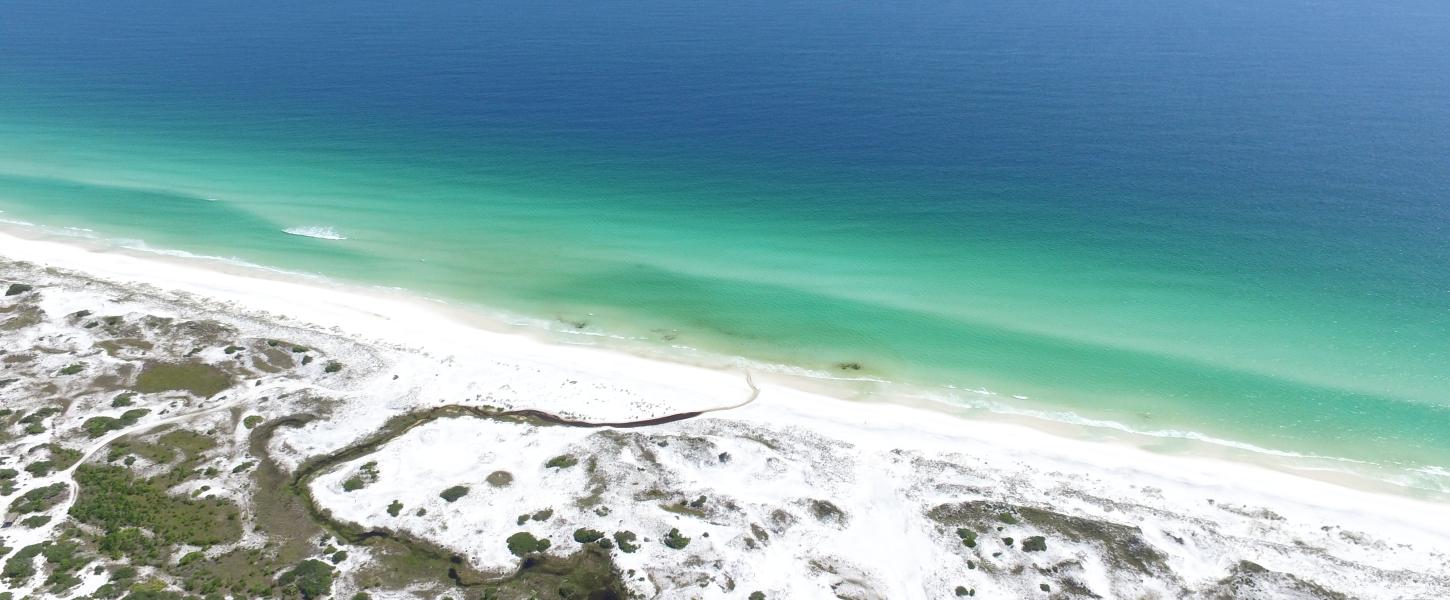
[315, 231]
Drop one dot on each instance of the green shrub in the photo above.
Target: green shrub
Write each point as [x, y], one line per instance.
[198, 378]
[969, 537]
[38, 499]
[757, 595]
[674, 540]
[332, 367]
[1035, 543]
[563, 461]
[98, 426]
[17, 289]
[311, 578]
[252, 422]
[585, 535]
[34, 521]
[543, 515]
[395, 508]
[354, 483]
[500, 478]
[72, 369]
[114, 499]
[625, 541]
[21, 566]
[122, 400]
[523, 542]
[454, 493]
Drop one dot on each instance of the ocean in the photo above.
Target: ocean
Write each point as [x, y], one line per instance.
[1203, 220]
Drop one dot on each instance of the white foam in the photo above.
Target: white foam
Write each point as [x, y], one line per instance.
[315, 231]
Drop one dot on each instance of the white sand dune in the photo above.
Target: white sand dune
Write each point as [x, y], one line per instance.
[883, 465]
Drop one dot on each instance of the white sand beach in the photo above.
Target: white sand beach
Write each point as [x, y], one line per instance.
[857, 497]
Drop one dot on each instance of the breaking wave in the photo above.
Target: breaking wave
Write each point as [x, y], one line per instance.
[315, 231]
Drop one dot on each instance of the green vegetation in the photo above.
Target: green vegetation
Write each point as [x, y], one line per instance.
[757, 595]
[585, 535]
[310, 579]
[60, 458]
[332, 367]
[118, 502]
[7, 483]
[563, 461]
[34, 521]
[543, 515]
[1124, 546]
[675, 541]
[625, 540]
[21, 565]
[969, 537]
[252, 421]
[40, 468]
[32, 421]
[365, 475]
[122, 400]
[98, 426]
[395, 508]
[588, 573]
[500, 478]
[824, 510]
[1035, 543]
[72, 369]
[16, 289]
[198, 378]
[523, 542]
[153, 452]
[64, 558]
[38, 499]
[233, 349]
[454, 493]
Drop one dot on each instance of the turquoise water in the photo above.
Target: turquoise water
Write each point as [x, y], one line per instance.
[1214, 217]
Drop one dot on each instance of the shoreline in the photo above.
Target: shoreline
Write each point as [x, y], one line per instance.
[398, 317]
[877, 461]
